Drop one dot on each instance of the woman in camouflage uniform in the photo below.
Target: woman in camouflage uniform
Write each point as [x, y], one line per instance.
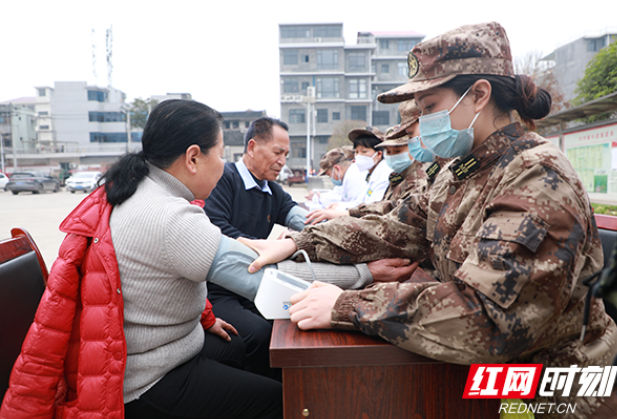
[505, 221]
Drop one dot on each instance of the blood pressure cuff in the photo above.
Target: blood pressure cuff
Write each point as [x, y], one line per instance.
[295, 218]
[230, 268]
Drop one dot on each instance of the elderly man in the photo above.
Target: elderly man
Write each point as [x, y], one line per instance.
[247, 202]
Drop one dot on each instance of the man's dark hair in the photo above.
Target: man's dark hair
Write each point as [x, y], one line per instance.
[261, 129]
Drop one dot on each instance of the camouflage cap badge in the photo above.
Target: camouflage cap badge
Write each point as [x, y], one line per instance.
[412, 65]
[472, 49]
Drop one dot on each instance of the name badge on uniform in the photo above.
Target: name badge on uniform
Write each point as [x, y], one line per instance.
[465, 167]
[369, 192]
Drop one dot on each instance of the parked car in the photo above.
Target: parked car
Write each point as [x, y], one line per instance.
[83, 181]
[4, 179]
[34, 182]
[284, 174]
[298, 176]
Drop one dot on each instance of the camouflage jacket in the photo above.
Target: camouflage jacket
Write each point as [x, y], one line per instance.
[511, 233]
[401, 185]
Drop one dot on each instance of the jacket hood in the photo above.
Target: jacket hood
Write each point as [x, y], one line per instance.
[85, 218]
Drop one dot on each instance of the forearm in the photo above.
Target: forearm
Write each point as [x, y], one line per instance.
[348, 240]
[344, 276]
[374, 208]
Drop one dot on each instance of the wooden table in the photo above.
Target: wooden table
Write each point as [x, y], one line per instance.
[348, 375]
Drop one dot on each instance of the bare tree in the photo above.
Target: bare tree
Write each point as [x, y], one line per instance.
[542, 73]
[339, 135]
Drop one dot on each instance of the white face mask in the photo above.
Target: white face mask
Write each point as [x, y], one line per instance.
[365, 162]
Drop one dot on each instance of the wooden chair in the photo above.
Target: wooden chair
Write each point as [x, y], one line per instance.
[23, 276]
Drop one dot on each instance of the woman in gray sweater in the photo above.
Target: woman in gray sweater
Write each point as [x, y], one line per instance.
[164, 248]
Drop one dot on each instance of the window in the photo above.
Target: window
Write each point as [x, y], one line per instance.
[357, 89]
[43, 113]
[305, 85]
[373, 68]
[381, 117]
[247, 124]
[298, 150]
[290, 57]
[295, 32]
[226, 124]
[406, 44]
[44, 127]
[42, 92]
[106, 117]
[97, 95]
[108, 137]
[336, 116]
[356, 61]
[327, 87]
[594, 45]
[384, 44]
[235, 124]
[322, 115]
[358, 113]
[327, 59]
[290, 85]
[402, 69]
[296, 116]
[327, 31]
[385, 68]
[305, 58]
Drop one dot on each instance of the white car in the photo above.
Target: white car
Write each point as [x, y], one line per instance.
[83, 181]
[4, 179]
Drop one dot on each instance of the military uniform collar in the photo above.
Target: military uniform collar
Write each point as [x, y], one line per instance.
[491, 149]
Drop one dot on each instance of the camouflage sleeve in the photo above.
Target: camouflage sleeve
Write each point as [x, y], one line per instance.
[510, 291]
[374, 208]
[400, 233]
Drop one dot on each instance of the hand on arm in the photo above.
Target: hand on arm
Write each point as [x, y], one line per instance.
[392, 270]
[220, 329]
[319, 215]
[312, 309]
[270, 251]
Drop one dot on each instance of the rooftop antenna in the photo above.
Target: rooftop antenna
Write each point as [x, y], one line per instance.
[93, 41]
[108, 44]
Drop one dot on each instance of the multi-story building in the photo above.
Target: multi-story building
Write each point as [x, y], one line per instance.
[235, 125]
[17, 130]
[345, 79]
[74, 124]
[570, 60]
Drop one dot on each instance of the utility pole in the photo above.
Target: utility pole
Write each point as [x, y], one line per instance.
[309, 100]
[128, 130]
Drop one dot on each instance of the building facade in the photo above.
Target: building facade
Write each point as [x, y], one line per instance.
[344, 81]
[570, 60]
[235, 125]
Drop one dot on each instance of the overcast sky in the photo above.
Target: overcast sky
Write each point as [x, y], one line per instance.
[225, 52]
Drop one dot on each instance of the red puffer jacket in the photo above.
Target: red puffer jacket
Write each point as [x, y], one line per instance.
[72, 361]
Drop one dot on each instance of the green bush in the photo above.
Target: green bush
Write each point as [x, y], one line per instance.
[604, 209]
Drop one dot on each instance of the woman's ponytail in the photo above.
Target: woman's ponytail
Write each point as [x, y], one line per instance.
[122, 178]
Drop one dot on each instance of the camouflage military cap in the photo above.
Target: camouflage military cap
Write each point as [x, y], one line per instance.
[409, 115]
[394, 142]
[332, 157]
[472, 49]
[371, 131]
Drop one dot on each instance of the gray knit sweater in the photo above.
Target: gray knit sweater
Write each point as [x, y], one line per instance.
[164, 247]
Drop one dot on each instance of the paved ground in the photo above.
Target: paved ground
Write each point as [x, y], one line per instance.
[42, 214]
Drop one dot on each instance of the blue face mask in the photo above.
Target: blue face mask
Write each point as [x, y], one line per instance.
[439, 137]
[419, 153]
[398, 162]
[336, 182]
